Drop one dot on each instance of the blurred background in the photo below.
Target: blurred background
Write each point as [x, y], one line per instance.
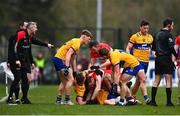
[61, 20]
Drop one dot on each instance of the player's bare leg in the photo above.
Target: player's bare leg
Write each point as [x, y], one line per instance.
[142, 78]
[135, 87]
[69, 82]
[124, 79]
[61, 88]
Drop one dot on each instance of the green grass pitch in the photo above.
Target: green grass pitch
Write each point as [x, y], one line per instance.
[43, 103]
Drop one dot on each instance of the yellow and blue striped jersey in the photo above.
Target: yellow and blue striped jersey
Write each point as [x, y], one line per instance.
[118, 57]
[141, 46]
[74, 44]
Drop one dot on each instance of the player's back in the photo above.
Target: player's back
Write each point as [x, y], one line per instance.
[74, 44]
[123, 59]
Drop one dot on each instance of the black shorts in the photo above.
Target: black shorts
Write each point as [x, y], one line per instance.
[164, 65]
[26, 67]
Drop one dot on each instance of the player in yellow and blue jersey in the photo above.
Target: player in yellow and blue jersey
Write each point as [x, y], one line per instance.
[140, 46]
[132, 67]
[79, 87]
[61, 60]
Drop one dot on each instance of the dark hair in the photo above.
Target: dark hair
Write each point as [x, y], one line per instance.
[87, 33]
[93, 43]
[167, 21]
[21, 24]
[144, 23]
[80, 78]
[103, 52]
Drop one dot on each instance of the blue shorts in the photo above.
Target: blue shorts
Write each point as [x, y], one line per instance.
[144, 65]
[58, 63]
[132, 71]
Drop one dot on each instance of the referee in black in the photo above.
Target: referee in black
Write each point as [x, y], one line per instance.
[164, 47]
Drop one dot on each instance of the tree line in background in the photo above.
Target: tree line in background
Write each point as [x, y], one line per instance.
[117, 14]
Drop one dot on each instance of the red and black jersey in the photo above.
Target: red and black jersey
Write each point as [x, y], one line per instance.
[22, 48]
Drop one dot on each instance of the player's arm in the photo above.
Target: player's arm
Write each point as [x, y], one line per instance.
[73, 62]
[153, 48]
[80, 101]
[68, 56]
[116, 73]
[98, 87]
[20, 36]
[176, 46]
[129, 47]
[171, 46]
[107, 63]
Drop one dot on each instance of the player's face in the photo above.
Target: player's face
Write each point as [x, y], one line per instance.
[144, 29]
[87, 39]
[171, 26]
[33, 28]
[95, 48]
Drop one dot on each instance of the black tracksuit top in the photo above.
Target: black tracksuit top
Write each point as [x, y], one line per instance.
[164, 44]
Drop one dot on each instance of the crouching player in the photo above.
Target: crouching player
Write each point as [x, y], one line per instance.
[79, 87]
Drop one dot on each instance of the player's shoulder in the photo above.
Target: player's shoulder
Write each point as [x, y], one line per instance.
[137, 34]
[178, 38]
[149, 35]
[115, 51]
[134, 36]
[75, 39]
[21, 33]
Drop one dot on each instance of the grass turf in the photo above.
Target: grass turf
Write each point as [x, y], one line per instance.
[43, 103]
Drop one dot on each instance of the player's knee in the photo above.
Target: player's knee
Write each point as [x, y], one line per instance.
[143, 81]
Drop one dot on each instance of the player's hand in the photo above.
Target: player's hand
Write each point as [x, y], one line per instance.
[91, 102]
[50, 45]
[33, 66]
[66, 71]
[94, 67]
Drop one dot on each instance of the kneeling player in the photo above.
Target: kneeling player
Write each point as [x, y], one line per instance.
[79, 88]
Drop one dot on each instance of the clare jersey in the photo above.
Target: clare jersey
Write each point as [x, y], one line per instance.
[118, 57]
[141, 46]
[79, 89]
[102, 96]
[74, 44]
